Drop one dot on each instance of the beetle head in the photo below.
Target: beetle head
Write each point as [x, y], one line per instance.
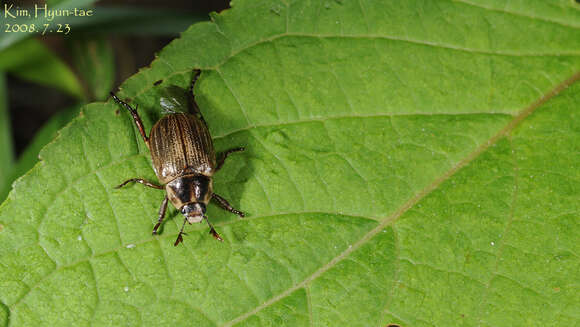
[190, 194]
[193, 212]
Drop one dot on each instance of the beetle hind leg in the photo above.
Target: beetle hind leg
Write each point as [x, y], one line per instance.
[193, 107]
[225, 155]
[224, 204]
[142, 181]
[135, 115]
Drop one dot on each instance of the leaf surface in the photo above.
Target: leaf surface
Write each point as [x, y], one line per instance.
[406, 163]
[29, 156]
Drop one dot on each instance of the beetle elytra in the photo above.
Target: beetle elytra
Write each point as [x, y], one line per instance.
[184, 160]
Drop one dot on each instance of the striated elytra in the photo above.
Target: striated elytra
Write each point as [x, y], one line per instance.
[183, 158]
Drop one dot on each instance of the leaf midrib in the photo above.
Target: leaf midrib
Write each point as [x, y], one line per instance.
[323, 119]
[415, 199]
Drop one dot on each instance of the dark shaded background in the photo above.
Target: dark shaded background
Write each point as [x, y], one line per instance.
[31, 105]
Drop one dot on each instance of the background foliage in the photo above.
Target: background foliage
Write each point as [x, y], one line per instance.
[407, 163]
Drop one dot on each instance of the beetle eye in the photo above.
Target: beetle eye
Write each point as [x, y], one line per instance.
[186, 209]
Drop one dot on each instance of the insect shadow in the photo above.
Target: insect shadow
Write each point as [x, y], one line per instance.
[233, 179]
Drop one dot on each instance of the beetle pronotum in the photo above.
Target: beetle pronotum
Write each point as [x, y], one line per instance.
[184, 161]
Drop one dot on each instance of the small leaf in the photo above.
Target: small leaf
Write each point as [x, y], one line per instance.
[33, 61]
[95, 61]
[6, 147]
[406, 163]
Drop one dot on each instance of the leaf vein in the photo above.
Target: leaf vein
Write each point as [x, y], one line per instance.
[370, 37]
[469, 3]
[322, 119]
[415, 199]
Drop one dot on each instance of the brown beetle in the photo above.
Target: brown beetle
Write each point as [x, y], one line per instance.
[184, 160]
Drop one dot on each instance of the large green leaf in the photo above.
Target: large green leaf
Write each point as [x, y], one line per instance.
[411, 163]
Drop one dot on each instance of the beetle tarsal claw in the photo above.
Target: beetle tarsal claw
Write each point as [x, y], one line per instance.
[216, 235]
[178, 240]
[156, 228]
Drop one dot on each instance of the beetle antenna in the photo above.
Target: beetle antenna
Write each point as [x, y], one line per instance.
[212, 230]
[179, 237]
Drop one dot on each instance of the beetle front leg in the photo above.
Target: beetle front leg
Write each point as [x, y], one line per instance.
[136, 117]
[212, 230]
[225, 155]
[162, 211]
[223, 203]
[179, 237]
[140, 180]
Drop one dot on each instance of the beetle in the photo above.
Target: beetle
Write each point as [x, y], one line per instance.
[184, 160]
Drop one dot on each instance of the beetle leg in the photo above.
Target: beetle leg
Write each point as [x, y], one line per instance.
[225, 155]
[136, 117]
[162, 211]
[193, 107]
[223, 203]
[196, 74]
[140, 180]
[212, 230]
[179, 237]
